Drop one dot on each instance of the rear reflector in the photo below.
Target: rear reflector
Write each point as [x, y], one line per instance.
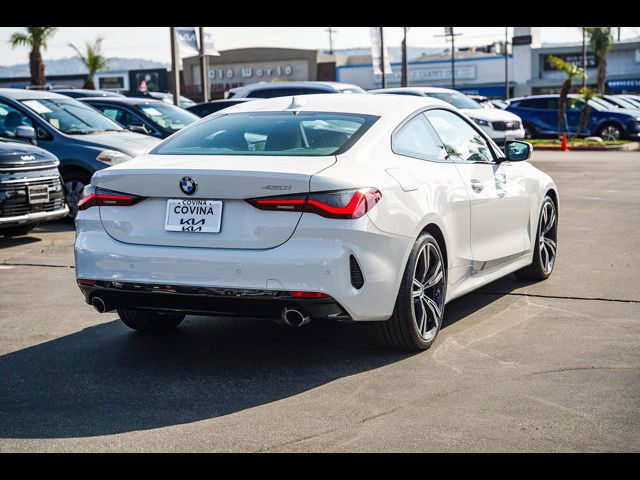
[345, 204]
[108, 200]
[309, 295]
[86, 281]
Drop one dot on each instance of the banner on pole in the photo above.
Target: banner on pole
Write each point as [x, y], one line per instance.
[209, 46]
[187, 41]
[375, 53]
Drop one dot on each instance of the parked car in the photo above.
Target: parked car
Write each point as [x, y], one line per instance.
[204, 109]
[634, 99]
[347, 207]
[164, 96]
[83, 92]
[501, 104]
[501, 126]
[151, 117]
[31, 188]
[483, 101]
[82, 138]
[620, 102]
[540, 117]
[287, 89]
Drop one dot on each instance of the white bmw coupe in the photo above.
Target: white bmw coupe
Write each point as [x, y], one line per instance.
[347, 207]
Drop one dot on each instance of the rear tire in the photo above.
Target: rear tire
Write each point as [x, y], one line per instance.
[545, 250]
[417, 315]
[150, 321]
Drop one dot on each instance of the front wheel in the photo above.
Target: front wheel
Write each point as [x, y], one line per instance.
[546, 246]
[417, 316]
[149, 321]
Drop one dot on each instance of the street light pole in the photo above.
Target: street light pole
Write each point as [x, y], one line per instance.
[506, 63]
[584, 57]
[175, 66]
[384, 78]
[204, 77]
[405, 65]
[453, 60]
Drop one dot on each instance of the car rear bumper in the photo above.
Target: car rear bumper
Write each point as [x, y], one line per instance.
[209, 301]
[35, 217]
[315, 259]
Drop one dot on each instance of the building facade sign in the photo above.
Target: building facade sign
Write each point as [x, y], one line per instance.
[256, 72]
[627, 84]
[575, 58]
[420, 73]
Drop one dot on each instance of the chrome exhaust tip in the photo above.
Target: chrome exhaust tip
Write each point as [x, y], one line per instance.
[294, 318]
[98, 305]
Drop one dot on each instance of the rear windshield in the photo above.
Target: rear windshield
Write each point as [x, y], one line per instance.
[306, 134]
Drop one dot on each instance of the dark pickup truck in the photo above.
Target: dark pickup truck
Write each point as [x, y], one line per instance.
[31, 189]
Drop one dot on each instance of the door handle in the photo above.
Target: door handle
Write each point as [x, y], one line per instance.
[476, 185]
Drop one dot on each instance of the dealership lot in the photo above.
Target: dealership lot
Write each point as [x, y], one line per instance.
[553, 366]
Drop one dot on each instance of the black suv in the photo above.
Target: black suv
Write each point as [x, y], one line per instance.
[30, 188]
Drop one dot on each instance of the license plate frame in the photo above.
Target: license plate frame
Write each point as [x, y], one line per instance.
[194, 218]
[38, 194]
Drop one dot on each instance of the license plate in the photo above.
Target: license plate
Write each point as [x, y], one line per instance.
[193, 216]
[38, 193]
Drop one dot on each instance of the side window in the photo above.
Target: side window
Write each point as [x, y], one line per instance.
[462, 142]
[417, 139]
[266, 93]
[551, 103]
[575, 105]
[10, 119]
[535, 103]
[119, 115]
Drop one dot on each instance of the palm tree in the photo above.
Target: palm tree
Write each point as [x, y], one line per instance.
[572, 71]
[36, 38]
[587, 94]
[92, 59]
[600, 41]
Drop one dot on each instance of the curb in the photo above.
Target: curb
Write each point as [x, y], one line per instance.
[632, 146]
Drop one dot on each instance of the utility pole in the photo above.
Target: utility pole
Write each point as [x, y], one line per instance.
[331, 31]
[448, 32]
[619, 33]
[204, 77]
[506, 63]
[584, 56]
[405, 64]
[384, 78]
[175, 66]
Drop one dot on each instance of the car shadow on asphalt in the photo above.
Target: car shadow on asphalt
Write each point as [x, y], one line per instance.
[107, 379]
[6, 242]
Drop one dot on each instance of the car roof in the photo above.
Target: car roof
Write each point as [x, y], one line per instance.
[309, 83]
[379, 105]
[24, 94]
[125, 100]
[413, 89]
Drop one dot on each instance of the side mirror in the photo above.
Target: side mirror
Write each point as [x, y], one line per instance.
[26, 133]
[518, 151]
[139, 128]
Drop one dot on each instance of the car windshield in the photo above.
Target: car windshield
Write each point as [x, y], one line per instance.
[70, 116]
[167, 116]
[305, 134]
[622, 103]
[456, 99]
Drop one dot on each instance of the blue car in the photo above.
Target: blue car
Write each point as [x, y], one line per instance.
[83, 139]
[539, 115]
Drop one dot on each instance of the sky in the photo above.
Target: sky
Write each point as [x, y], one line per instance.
[152, 43]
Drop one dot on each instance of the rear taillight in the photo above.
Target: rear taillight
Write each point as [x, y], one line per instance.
[103, 198]
[349, 204]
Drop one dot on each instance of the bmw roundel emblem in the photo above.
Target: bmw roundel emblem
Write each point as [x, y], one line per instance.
[188, 185]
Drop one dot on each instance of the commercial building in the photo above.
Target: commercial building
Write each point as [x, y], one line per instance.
[534, 74]
[234, 68]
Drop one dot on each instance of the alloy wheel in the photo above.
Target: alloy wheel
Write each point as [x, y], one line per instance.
[74, 192]
[548, 236]
[427, 292]
[611, 132]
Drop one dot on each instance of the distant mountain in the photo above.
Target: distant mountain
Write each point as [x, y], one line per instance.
[394, 52]
[72, 66]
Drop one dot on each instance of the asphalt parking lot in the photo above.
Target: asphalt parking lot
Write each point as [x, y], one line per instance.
[553, 366]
